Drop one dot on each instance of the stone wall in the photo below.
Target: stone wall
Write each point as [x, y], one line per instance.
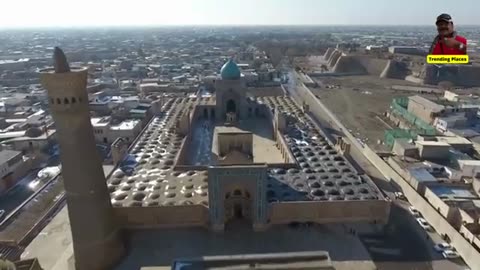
[472, 238]
[330, 211]
[374, 66]
[443, 208]
[162, 216]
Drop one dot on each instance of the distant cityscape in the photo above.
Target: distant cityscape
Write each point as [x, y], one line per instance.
[290, 147]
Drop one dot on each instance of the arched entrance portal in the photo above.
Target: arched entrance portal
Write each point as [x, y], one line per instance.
[231, 106]
[238, 206]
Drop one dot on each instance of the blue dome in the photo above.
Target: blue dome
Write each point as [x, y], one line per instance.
[230, 71]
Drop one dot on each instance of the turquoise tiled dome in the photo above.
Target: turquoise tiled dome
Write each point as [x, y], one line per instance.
[230, 71]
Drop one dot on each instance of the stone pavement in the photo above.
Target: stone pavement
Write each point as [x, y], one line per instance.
[161, 247]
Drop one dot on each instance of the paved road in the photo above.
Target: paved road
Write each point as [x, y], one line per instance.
[415, 250]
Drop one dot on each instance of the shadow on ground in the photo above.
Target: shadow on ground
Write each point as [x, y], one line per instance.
[400, 246]
[161, 247]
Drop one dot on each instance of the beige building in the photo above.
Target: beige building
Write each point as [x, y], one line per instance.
[106, 131]
[33, 140]
[433, 150]
[204, 162]
[425, 109]
[12, 167]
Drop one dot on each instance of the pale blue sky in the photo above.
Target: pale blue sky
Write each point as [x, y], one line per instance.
[28, 13]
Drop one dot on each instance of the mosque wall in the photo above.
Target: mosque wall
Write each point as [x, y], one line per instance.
[284, 149]
[274, 91]
[289, 159]
[162, 217]
[330, 211]
[183, 153]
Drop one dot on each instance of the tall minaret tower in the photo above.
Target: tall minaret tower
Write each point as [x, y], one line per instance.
[96, 240]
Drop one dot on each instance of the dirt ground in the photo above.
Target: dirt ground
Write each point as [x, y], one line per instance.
[360, 102]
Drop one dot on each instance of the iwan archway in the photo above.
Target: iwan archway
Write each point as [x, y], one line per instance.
[237, 192]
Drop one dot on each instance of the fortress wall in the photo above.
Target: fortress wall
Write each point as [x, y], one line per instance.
[468, 76]
[330, 211]
[162, 216]
[374, 66]
[349, 64]
[335, 56]
[328, 53]
[394, 70]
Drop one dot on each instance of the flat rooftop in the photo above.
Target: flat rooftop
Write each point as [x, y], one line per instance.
[126, 125]
[454, 192]
[6, 155]
[230, 129]
[100, 121]
[265, 149]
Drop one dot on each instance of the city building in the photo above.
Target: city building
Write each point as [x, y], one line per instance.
[12, 167]
[106, 130]
[32, 140]
[425, 109]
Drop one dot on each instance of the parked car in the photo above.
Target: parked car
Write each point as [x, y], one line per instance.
[424, 224]
[414, 211]
[450, 254]
[443, 246]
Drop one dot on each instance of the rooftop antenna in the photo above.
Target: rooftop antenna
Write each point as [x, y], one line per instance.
[60, 63]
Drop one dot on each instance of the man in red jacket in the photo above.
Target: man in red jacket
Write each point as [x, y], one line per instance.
[447, 42]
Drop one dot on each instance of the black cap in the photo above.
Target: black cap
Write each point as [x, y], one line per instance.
[444, 17]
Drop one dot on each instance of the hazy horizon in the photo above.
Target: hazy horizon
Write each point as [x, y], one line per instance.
[141, 13]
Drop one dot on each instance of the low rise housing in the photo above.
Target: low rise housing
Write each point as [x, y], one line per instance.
[12, 167]
[106, 130]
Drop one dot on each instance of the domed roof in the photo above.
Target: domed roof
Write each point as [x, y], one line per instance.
[230, 71]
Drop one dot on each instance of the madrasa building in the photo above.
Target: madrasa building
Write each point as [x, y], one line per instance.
[204, 163]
